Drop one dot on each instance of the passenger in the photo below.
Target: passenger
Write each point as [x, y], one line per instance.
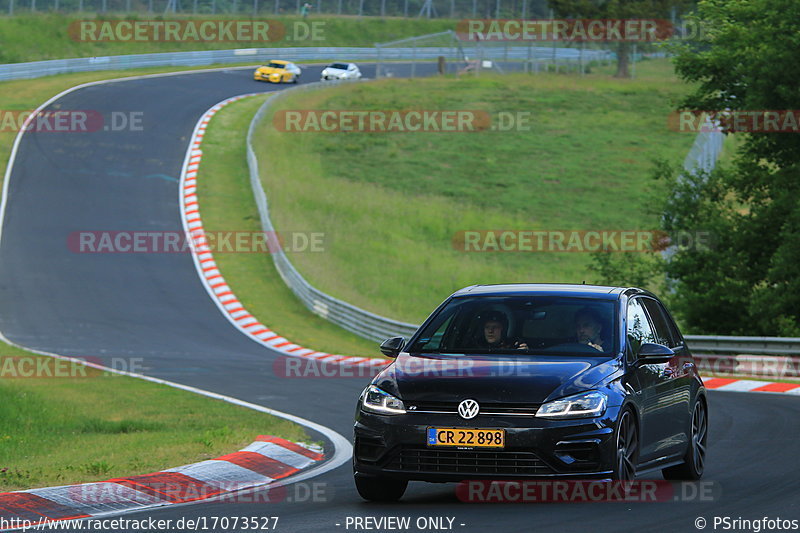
[589, 328]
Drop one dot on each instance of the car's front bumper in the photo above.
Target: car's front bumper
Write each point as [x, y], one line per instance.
[395, 446]
[272, 78]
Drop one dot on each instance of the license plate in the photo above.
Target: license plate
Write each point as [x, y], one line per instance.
[467, 438]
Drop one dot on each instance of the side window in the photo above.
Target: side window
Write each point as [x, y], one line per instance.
[673, 328]
[434, 343]
[661, 323]
[638, 328]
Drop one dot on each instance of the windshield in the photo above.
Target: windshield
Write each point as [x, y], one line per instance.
[340, 66]
[521, 324]
[275, 65]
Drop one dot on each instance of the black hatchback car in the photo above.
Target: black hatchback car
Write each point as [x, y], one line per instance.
[533, 381]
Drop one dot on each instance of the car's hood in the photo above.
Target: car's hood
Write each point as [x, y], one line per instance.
[271, 70]
[503, 379]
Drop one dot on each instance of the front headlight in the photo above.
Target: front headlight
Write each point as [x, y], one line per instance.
[584, 405]
[377, 401]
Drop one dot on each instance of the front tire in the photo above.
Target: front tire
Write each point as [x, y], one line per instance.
[378, 489]
[695, 458]
[626, 440]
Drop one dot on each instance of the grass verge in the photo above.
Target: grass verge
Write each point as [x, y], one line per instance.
[37, 37]
[74, 424]
[226, 204]
[391, 203]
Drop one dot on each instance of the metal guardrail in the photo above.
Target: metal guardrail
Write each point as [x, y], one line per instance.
[37, 69]
[714, 345]
[453, 9]
[377, 328]
[759, 357]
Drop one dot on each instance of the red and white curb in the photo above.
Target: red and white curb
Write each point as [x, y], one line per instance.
[225, 478]
[212, 278]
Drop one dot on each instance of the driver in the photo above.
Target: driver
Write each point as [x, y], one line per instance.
[495, 330]
[589, 328]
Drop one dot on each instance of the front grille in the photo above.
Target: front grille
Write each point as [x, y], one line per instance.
[489, 409]
[428, 460]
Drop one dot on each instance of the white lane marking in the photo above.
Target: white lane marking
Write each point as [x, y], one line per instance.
[342, 448]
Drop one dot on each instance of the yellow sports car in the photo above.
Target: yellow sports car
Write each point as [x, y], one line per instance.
[278, 71]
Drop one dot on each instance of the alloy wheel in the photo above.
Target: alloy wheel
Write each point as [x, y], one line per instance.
[699, 436]
[627, 447]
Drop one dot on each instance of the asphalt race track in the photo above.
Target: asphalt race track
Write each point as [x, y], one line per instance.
[152, 310]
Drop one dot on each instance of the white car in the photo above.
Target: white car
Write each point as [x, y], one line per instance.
[341, 71]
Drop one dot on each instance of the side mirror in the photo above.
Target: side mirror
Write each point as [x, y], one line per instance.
[391, 347]
[651, 353]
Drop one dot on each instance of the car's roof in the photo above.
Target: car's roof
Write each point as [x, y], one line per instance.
[279, 61]
[544, 289]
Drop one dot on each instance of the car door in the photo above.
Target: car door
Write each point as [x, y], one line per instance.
[654, 384]
[680, 370]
